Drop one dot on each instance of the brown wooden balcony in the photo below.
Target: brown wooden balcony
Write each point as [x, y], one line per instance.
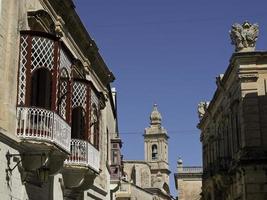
[44, 99]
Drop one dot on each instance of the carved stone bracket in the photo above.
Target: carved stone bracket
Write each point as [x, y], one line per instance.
[59, 26]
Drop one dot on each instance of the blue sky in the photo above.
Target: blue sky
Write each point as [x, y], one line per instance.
[166, 52]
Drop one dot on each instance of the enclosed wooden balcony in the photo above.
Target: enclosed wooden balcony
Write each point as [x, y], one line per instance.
[82, 166]
[44, 99]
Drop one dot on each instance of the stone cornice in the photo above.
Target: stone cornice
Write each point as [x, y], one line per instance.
[152, 135]
[66, 10]
[235, 59]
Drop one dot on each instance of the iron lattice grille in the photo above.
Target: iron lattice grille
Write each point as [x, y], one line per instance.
[22, 70]
[65, 62]
[94, 98]
[42, 53]
[58, 77]
[63, 98]
[79, 95]
[65, 71]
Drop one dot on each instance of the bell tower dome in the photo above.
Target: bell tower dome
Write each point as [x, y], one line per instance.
[156, 149]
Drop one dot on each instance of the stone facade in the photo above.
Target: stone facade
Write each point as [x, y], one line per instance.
[148, 179]
[188, 181]
[58, 114]
[234, 124]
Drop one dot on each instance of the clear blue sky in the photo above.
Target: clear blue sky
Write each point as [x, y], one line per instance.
[166, 52]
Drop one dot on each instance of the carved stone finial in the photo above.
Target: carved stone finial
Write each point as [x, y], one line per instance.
[244, 36]
[180, 161]
[202, 108]
[155, 117]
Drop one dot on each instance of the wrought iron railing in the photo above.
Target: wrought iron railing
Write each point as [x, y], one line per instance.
[44, 125]
[83, 153]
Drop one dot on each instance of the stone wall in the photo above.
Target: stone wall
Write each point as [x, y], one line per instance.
[11, 183]
[189, 189]
[233, 131]
[13, 19]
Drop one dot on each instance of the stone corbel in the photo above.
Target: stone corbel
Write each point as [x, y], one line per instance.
[87, 65]
[59, 30]
[102, 101]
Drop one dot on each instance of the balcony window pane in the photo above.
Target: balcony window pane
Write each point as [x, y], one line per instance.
[78, 123]
[41, 82]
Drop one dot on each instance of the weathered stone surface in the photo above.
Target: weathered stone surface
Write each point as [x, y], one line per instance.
[244, 36]
[237, 133]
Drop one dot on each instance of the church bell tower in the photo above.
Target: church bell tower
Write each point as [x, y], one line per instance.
[156, 150]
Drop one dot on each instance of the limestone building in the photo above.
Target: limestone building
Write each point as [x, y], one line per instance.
[58, 121]
[188, 181]
[148, 179]
[234, 124]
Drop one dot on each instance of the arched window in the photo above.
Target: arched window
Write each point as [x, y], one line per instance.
[154, 152]
[78, 123]
[41, 86]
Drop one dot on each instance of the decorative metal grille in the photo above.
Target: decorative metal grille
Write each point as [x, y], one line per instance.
[63, 98]
[42, 53]
[22, 70]
[94, 98]
[79, 95]
[57, 78]
[65, 61]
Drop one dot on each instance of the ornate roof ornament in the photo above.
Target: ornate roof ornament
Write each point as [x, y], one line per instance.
[244, 36]
[155, 117]
[180, 161]
[202, 109]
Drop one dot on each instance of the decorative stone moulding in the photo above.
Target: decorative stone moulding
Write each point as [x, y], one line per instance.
[244, 36]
